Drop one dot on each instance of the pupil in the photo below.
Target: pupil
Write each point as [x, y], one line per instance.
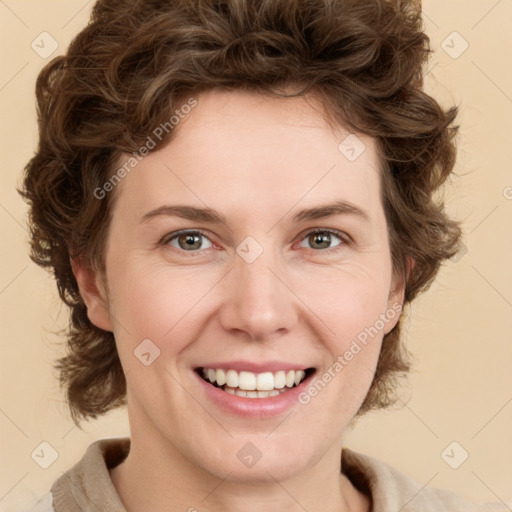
[190, 241]
[320, 240]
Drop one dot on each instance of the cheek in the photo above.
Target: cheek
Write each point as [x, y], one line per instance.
[351, 303]
[157, 303]
[353, 306]
[347, 299]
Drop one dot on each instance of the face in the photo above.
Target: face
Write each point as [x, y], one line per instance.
[251, 246]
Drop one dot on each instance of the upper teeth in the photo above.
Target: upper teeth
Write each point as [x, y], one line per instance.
[254, 381]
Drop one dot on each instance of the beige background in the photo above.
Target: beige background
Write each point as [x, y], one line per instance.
[459, 332]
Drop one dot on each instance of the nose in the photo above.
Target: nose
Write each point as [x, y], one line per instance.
[257, 301]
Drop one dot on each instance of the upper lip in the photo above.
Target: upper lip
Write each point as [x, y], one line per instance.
[260, 367]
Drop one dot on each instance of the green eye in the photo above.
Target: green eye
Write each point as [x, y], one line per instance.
[189, 241]
[321, 239]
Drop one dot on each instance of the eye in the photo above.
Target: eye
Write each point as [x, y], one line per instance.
[322, 239]
[190, 241]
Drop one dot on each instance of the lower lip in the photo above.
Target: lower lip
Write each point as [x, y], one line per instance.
[254, 407]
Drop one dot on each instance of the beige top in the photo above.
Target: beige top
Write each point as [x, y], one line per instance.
[87, 485]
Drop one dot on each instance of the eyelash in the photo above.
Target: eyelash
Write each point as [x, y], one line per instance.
[345, 240]
[343, 237]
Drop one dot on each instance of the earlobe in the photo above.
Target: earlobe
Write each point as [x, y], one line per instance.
[93, 291]
[397, 297]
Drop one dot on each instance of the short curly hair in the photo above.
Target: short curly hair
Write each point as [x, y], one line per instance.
[129, 70]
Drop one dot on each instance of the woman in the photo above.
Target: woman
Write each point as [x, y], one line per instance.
[236, 199]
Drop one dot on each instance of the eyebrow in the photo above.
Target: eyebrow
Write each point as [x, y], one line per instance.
[327, 210]
[186, 212]
[213, 217]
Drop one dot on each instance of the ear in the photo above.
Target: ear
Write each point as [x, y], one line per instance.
[93, 291]
[396, 297]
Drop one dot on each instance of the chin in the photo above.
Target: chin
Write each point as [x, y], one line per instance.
[254, 459]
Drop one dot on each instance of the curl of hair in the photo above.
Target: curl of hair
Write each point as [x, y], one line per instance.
[133, 66]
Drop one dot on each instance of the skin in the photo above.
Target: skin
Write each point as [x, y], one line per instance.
[257, 161]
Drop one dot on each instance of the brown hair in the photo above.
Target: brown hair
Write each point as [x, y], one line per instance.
[128, 71]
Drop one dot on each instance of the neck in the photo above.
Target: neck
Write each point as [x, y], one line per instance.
[156, 476]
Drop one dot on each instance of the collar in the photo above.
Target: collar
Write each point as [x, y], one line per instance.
[88, 486]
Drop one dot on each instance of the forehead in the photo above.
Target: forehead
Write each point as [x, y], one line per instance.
[239, 148]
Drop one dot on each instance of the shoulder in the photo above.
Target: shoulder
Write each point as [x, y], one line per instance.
[45, 504]
[29, 500]
[391, 490]
[89, 479]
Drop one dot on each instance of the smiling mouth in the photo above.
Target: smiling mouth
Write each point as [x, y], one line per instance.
[254, 385]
